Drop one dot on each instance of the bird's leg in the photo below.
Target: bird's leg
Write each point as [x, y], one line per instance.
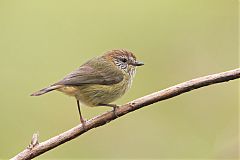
[114, 106]
[80, 114]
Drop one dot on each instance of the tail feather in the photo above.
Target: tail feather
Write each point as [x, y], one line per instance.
[45, 90]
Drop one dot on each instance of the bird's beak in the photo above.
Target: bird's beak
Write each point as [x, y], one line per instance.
[137, 63]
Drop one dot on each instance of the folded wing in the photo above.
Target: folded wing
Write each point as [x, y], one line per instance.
[102, 74]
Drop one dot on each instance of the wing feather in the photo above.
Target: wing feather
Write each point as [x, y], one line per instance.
[99, 73]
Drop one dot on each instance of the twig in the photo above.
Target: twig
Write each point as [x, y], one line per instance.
[34, 141]
[39, 148]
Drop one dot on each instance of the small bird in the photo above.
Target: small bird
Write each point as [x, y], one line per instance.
[99, 81]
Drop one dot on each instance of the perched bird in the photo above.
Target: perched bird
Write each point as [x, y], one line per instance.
[99, 81]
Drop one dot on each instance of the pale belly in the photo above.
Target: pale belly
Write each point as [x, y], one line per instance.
[94, 95]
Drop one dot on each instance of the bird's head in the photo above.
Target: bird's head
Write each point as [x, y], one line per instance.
[124, 60]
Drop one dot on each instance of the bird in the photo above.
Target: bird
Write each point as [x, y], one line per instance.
[99, 81]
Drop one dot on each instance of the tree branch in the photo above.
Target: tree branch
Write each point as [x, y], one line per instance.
[37, 149]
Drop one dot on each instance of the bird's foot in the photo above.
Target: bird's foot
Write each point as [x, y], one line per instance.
[114, 110]
[114, 106]
[83, 122]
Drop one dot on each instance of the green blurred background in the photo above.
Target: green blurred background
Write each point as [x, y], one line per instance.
[41, 41]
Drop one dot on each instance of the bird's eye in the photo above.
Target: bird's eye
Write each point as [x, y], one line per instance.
[124, 60]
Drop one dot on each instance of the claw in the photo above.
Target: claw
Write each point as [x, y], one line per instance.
[114, 106]
[114, 110]
[83, 122]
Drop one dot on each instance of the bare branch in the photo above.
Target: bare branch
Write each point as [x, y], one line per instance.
[39, 148]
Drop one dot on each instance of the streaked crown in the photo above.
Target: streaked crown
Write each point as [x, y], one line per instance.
[124, 60]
